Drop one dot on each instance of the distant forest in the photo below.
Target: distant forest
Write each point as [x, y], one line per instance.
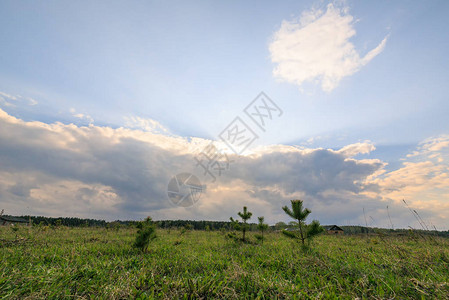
[213, 225]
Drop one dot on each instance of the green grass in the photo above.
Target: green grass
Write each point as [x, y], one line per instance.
[100, 263]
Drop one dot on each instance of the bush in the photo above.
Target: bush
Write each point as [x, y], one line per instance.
[145, 234]
[305, 232]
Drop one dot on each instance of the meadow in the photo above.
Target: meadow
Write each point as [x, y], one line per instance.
[63, 262]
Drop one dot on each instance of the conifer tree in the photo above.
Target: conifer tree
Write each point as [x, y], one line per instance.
[146, 233]
[245, 215]
[306, 232]
[262, 226]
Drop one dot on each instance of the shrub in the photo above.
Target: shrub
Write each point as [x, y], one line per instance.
[245, 215]
[262, 227]
[145, 234]
[306, 232]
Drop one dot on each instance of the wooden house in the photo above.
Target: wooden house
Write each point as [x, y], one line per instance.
[333, 229]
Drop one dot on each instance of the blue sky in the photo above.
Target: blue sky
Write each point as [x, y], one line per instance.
[343, 72]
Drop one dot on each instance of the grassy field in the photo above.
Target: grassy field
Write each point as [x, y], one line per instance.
[100, 263]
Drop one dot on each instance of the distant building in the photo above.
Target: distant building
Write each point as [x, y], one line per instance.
[330, 229]
[6, 220]
[333, 229]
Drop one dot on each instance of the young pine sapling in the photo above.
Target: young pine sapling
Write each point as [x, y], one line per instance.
[145, 234]
[262, 227]
[306, 232]
[245, 215]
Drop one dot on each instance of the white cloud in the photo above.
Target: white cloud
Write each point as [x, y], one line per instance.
[81, 116]
[145, 124]
[101, 172]
[6, 99]
[7, 96]
[84, 117]
[422, 180]
[317, 47]
[357, 148]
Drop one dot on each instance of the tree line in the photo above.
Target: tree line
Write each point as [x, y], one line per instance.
[209, 225]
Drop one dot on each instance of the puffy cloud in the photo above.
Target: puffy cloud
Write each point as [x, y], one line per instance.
[317, 47]
[422, 180]
[90, 157]
[357, 148]
[145, 124]
[101, 172]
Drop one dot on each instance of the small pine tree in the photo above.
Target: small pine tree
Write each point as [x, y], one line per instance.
[262, 226]
[306, 232]
[235, 224]
[145, 234]
[245, 215]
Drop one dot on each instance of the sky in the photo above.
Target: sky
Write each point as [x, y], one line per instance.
[103, 103]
